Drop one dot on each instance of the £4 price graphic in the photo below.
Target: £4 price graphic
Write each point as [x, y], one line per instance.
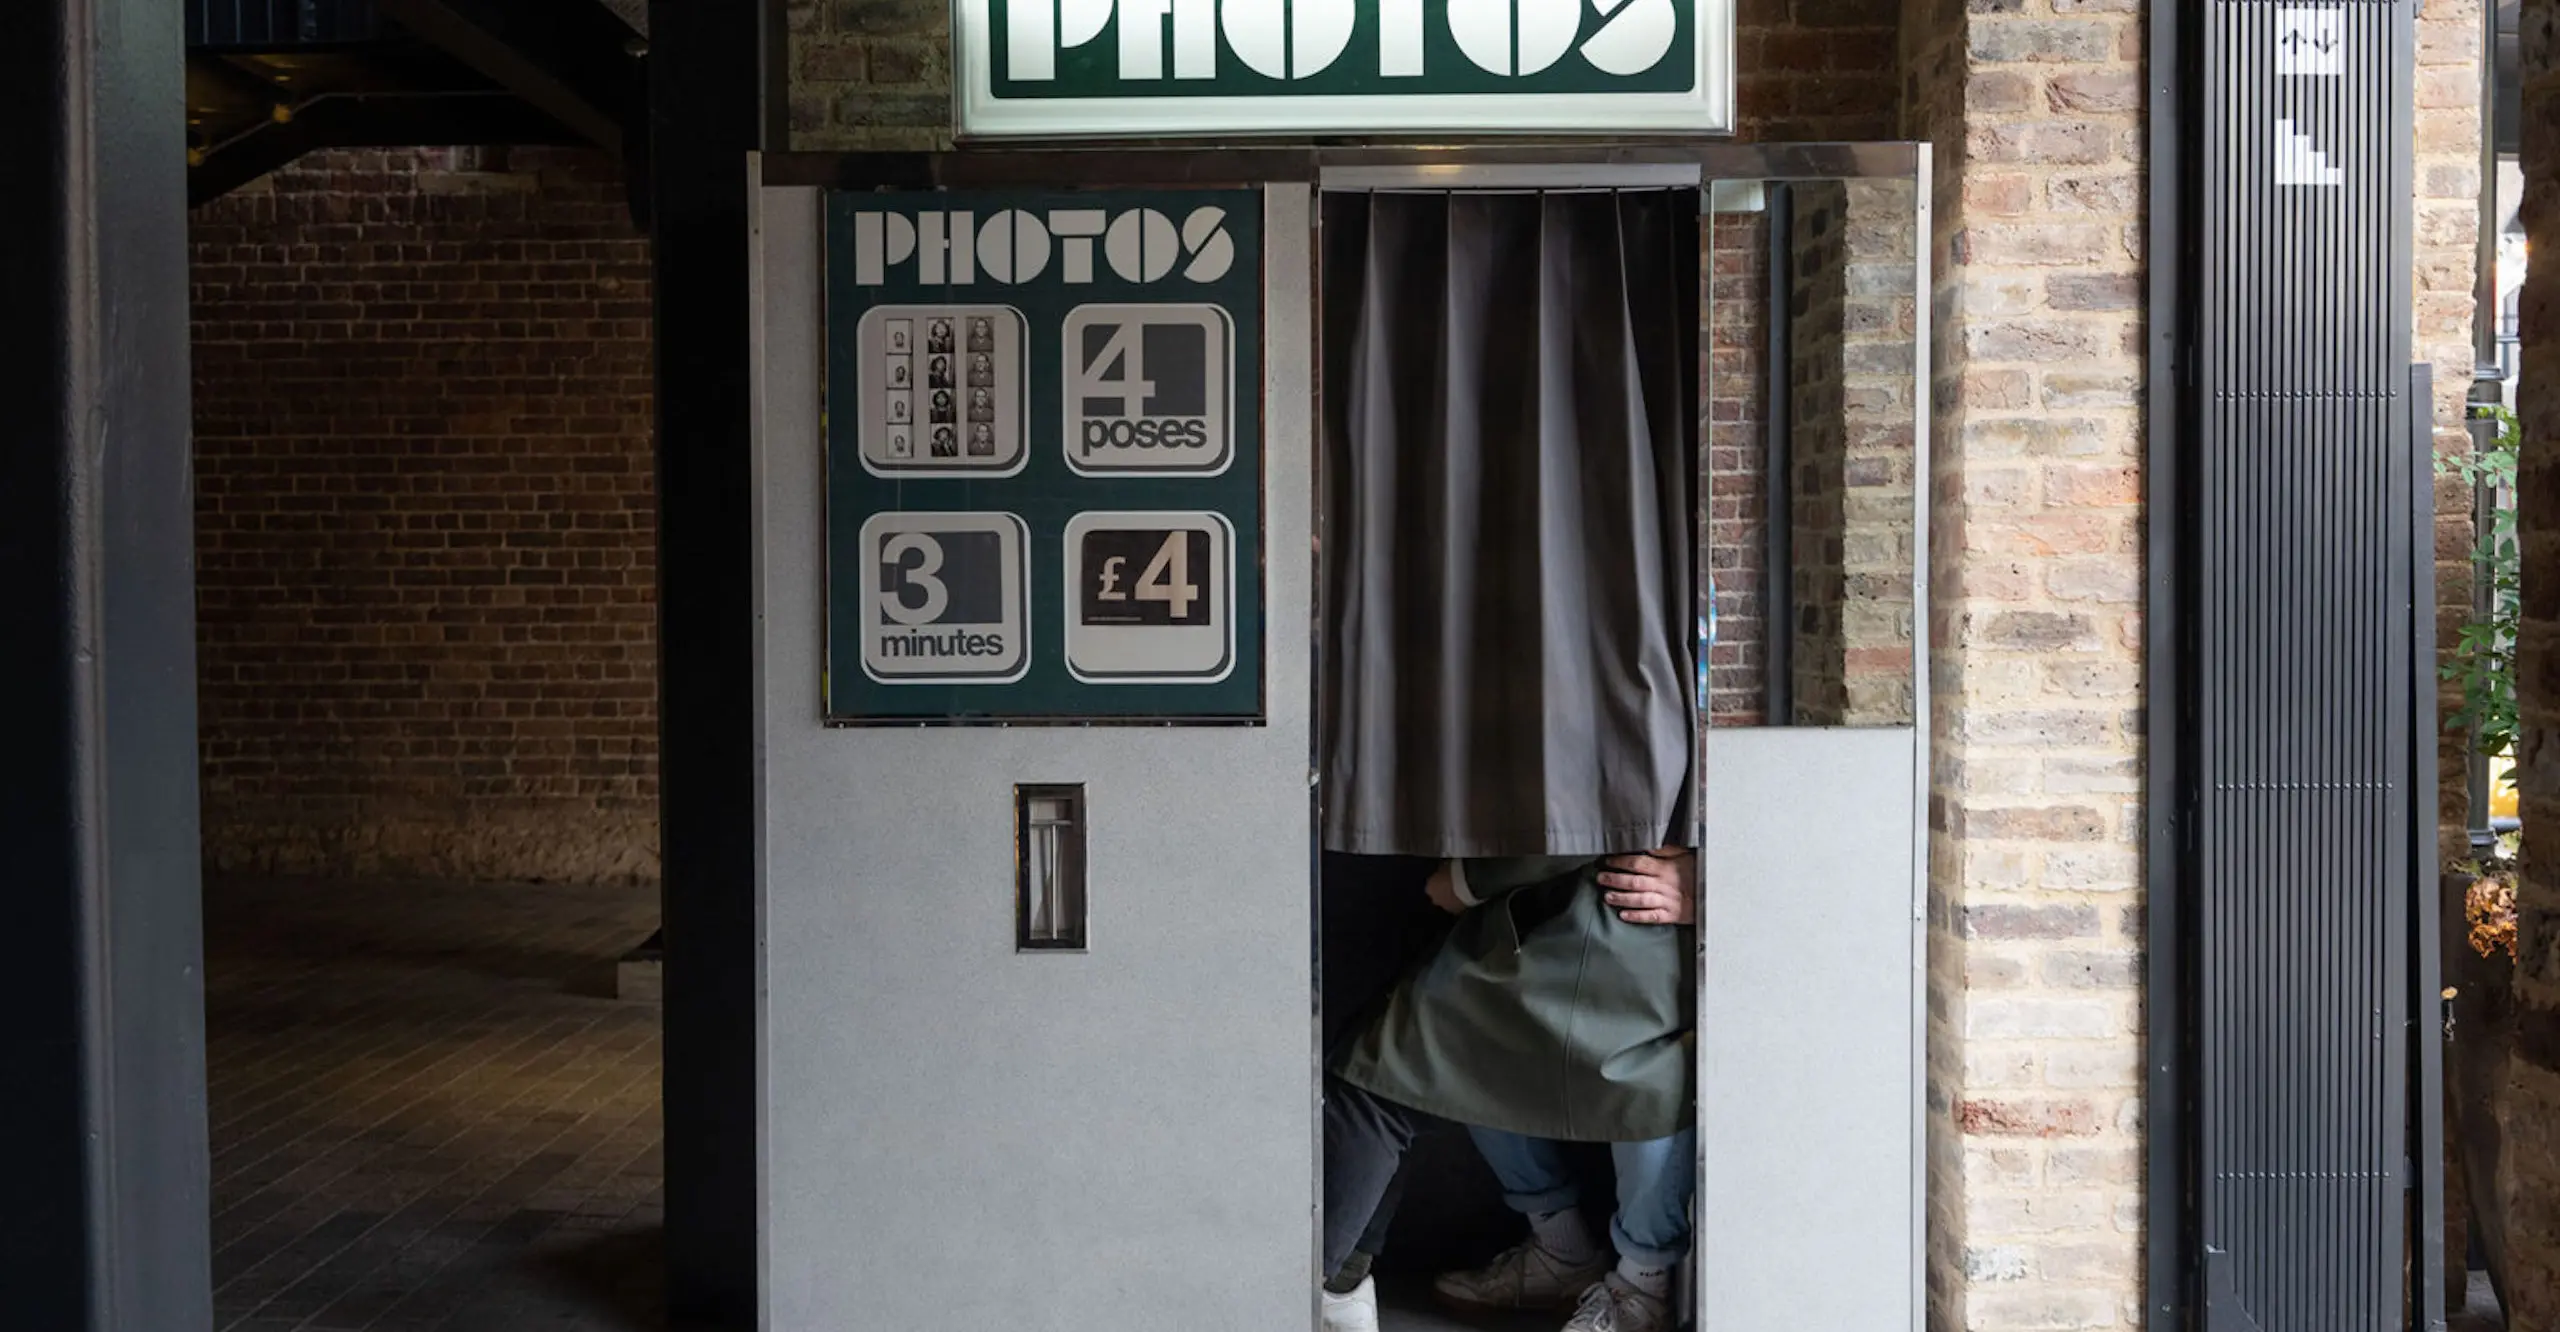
[1147, 577]
[1150, 597]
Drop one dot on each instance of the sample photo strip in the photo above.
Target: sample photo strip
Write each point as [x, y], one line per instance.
[942, 390]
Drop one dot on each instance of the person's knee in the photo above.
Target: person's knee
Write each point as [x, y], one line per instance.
[1367, 1112]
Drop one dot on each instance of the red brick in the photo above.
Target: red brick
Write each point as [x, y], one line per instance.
[2004, 1117]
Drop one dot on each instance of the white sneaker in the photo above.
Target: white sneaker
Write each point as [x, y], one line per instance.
[1355, 1312]
[1523, 1276]
[1615, 1305]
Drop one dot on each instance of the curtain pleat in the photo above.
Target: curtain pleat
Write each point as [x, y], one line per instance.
[1510, 426]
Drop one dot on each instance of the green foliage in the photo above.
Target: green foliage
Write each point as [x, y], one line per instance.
[2483, 659]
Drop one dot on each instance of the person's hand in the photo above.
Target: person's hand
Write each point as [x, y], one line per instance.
[1443, 890]
[1659, 888]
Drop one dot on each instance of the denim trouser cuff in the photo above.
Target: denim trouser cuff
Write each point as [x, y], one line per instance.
[1543, 1201]
[1636, 1255]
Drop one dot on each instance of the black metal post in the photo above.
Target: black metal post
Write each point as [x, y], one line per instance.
[715, 78]
[2169, 1115]
[2429, 1268]
[103, 1218]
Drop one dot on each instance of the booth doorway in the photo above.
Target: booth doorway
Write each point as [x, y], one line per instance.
[1798, 506]
[1509, 449]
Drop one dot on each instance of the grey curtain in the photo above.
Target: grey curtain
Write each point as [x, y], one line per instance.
[1509, 388]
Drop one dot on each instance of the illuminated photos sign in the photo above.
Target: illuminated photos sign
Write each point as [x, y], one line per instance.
[1169, 68]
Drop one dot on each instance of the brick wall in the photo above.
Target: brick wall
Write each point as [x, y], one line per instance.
[1734, 451]
[426, 520]
[870, 74]
[1811, 71]
[1851, 456]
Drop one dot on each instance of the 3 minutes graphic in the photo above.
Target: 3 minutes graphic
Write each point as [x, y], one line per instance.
[1149, 390]
[942, 598]
[941, 390]
[1150, 597]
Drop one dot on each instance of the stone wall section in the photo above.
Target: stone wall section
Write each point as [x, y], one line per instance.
[2034, 107]
[2446, 210]
[2446, 245]
[2533, 1129]
[1878, 545]
[1817, 456]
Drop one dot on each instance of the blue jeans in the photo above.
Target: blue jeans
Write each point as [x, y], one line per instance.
[1655, 1181]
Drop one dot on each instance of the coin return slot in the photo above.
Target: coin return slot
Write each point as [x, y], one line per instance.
[1049, 897]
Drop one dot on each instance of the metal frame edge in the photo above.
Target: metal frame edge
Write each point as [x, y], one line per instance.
[1923, 389]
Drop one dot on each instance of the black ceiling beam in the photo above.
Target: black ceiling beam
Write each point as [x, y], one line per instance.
[210, 78]
[393, 120]
[571, 58]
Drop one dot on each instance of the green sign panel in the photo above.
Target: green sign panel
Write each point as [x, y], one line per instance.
[1044, 456]
[1157, 68]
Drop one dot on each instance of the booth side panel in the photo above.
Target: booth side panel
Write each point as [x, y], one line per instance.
[1808, 1076]
[963, 1135]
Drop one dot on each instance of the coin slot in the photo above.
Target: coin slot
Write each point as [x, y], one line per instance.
[1049, 868]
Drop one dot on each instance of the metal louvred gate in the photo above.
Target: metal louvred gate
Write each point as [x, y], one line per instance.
[2296, 790]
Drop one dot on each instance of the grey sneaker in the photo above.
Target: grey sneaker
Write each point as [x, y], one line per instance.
[1616, 1306]
[1524, 1276]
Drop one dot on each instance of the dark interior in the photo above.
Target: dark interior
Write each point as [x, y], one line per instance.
[1374, 920]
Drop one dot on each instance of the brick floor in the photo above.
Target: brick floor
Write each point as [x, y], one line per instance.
[428, 1112]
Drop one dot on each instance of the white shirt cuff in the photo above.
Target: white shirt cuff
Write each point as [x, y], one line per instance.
[1458, 883]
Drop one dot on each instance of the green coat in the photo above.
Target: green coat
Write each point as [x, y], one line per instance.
[1544, 1013]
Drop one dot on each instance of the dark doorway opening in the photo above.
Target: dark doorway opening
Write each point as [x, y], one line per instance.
[426, 611]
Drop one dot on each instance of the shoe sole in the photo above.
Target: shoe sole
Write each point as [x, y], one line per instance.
[1561, 1304]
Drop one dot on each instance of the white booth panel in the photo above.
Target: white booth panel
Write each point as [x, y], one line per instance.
[961, 1135]
[1808, 1031]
